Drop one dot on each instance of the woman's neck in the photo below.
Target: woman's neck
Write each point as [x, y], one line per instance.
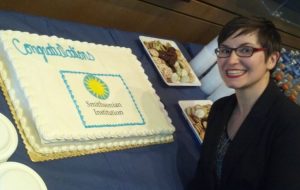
[247, 97]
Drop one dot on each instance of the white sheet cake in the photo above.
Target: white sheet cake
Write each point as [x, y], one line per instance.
[78, 96]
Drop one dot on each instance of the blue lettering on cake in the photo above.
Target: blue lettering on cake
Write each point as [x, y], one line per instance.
[49, 50]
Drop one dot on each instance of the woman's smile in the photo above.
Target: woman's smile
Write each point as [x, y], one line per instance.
[235, 73]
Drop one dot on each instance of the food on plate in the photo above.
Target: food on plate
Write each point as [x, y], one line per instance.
[198, 115]
[170, 62]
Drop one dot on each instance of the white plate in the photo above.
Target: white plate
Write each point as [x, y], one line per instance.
[196, 81]
[189, 103]
[15, 175]
[8, 138]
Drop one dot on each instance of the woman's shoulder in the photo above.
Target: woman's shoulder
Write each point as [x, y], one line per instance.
[285, 112]
[289, 109]
[278, 104]
[224, 101]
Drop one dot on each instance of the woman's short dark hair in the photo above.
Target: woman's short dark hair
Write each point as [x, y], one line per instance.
[268, 36]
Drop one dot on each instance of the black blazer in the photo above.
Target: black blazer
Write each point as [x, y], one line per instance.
[265, 153]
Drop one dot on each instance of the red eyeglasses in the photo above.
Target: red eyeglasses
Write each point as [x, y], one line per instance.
[243, 51]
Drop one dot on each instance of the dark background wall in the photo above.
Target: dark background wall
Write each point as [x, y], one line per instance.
[197, 21]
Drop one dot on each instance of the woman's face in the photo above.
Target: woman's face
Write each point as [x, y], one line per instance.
[244, 72]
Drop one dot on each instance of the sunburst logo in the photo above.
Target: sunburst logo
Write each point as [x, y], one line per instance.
[96, 86]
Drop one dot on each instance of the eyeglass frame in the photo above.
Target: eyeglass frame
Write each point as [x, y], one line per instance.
[235, 50]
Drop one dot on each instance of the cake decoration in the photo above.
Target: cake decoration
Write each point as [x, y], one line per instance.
[96, 86]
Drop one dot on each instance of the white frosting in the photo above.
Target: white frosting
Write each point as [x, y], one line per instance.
[56, 110]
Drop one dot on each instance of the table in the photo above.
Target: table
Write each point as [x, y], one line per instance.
[165, 166]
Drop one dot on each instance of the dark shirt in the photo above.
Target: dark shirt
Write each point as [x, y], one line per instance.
[222, 147]
[265, 153]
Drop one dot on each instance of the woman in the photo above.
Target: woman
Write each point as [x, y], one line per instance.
[253, 137]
